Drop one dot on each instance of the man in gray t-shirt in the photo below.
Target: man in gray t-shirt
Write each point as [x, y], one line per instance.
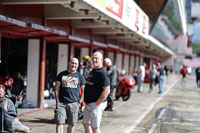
[67, 91]
[152, 77]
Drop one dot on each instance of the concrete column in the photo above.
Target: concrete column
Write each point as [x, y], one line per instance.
[119, 61]
[111, 56]
[141, 60]
[126, 62]
[42, 73]
[33, 71]
[63, 50]
[132, 64]
[137, 62]
[71, 50]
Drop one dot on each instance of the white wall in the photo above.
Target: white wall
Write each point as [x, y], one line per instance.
[126, 62]
[62, 57]
[33, 71]
[119, 61]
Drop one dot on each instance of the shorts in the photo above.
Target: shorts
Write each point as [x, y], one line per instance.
[67, 111]
[16, 125]
[93, 114]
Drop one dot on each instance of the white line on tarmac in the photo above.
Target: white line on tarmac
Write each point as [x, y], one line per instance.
[153, 127]
[161, 113]
[134, 125]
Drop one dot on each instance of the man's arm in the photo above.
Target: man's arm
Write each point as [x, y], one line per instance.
[82, 94]
[56, 91]
[103, 96]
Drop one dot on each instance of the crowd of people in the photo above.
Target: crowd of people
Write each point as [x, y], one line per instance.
[97, 80]
[94, 86]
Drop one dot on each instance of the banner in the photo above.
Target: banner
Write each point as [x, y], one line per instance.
[127, 12]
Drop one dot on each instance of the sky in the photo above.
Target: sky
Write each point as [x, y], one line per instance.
[196, 34]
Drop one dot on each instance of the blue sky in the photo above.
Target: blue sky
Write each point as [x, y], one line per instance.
[196, 35]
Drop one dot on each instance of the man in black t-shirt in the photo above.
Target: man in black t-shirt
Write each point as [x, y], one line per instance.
[197, 73]
[97, 88]
[67, 91]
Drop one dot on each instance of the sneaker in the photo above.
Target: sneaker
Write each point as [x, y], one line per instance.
[109, 109]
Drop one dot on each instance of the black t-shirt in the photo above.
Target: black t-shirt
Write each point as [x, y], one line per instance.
[17, 86]
[97, 79]
[70, 86]
[161, 71]
[198, 73]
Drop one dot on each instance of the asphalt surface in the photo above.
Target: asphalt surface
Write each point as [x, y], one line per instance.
[177, 112]
[178, 104]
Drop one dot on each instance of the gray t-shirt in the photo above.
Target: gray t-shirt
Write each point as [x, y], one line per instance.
[152, 73]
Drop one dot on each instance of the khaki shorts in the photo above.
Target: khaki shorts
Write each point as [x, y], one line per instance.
[16, 125]
[66, 111]
[93, 114]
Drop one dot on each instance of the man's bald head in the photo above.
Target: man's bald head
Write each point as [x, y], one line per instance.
[97, 60]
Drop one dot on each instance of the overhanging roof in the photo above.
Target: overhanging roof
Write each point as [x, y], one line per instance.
[84, 15]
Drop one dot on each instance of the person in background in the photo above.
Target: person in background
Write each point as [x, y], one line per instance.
[67, 91]
[18, 84]
[197, 73]
[84, 65]
[87, 69]
[112, 70]
[140, 77]
[97, 89]
[184, 73]
[160, 74]
[152, 77]
[11, 122]
[189, 69]
[166, 70]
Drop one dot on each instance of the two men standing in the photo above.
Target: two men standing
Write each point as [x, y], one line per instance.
[97, 88]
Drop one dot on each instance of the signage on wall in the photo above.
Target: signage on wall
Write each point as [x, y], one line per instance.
[12, 21]
[127, 12]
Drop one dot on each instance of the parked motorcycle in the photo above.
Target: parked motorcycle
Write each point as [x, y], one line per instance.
[126, 83]
[7, 81]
